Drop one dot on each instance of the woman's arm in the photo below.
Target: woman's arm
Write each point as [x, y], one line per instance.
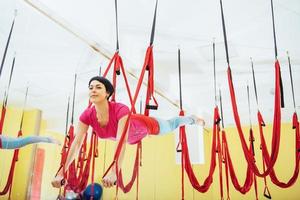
[73, 152]
[110, 179]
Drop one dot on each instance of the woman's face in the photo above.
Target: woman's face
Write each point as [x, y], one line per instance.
[97, 92]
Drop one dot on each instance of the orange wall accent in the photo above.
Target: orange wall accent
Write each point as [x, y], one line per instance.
[35, 193]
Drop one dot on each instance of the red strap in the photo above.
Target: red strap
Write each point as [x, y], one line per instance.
[148, 63]
[118, 64]
[181, 132]
[3, 111]
[220, 158]
[7, 187]
[225, 155]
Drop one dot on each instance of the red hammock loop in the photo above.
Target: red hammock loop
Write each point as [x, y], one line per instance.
[8, 185]
[294, 177]
[228, 162]
[187, 163]
[276, 126]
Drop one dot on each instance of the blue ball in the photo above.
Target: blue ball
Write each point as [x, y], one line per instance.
[87, 194]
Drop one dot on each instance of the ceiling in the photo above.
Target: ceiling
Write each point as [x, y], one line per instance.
[52, 41]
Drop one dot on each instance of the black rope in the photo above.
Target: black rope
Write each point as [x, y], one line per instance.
[117, 26]
[7, 44]
[254, 82]
[215, 77]
[10, 77]
[221, 107]
[224, 33]
[292, 83]
[141, 106]
[25, 102]
[249, 108]
[179, 73]
[153, 25]
[274, 34]
[281, 90]
[100, 70]
[251, 131]
[67, 116]
[73, 106]
[276, 54]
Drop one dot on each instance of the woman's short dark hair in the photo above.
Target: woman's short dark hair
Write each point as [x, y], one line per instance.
[108, 86]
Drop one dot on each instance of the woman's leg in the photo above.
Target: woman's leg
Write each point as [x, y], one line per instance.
[15, 143]
[167, 126]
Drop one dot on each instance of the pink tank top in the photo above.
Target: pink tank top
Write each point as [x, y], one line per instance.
[137, 130]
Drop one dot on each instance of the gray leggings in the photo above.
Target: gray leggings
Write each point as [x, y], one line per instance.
[167, 126]
[15, 143]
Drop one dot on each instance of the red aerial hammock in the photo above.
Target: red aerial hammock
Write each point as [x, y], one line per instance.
[295, 125]
[277, 114]
[185, 159]
[7, 44]
[9, 181]
[261, 124]
[251, 139]
[229, 169]
[118, 64]
[148, 65]
[8, 186]
[78, 173]
[295, 122]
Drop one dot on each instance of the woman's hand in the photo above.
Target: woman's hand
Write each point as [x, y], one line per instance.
[58, 180]
[109, 180]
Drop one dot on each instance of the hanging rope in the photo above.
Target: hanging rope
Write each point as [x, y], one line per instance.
[117, 26]
[292, 83]
[4, 105]
[276, 54]
[7, 43]
[180, 131]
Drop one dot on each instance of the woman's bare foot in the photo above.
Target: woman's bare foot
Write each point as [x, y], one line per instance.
[198, 120]
[54, 141]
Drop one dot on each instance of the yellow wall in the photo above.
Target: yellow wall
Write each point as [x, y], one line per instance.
[160, 177]
[51, 165]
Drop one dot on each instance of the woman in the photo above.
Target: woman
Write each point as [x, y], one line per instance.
[108, 121]
[16, 143]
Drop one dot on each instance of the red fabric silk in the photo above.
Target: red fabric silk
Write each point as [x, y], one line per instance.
[276, 126]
